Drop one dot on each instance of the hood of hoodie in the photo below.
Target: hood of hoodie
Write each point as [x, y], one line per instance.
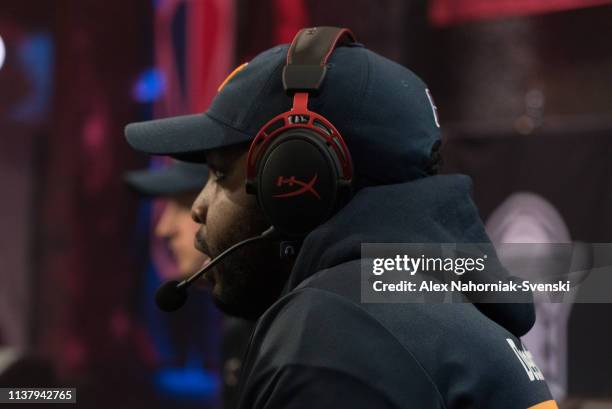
[436, 209]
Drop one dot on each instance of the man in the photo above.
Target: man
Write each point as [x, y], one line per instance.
[316, 345]
[526, 217]
[178, 185]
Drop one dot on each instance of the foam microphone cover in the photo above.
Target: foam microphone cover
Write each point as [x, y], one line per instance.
[169, 297]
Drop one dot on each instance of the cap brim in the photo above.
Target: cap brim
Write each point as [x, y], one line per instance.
[185, 137]
[167, 181]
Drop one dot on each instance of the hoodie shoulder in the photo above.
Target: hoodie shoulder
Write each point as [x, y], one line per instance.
[449, 353]
[316, 330]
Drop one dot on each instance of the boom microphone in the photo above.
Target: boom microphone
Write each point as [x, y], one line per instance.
[172, 295]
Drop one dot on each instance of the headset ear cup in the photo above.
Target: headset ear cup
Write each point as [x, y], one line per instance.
[297, 182]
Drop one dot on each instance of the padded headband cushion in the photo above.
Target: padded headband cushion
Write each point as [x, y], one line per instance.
[308, 54]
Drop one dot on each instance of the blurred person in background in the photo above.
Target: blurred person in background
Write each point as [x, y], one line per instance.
[176, 187]
[527, 218]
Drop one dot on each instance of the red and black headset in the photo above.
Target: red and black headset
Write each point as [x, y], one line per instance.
[298, 165]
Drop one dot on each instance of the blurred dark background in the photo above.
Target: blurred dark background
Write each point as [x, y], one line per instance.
[523, 90]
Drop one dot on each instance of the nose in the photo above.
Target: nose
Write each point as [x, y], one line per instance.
[165, 227]
[199, 208]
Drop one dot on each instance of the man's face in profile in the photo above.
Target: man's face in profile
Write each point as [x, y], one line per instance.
[248, 281]
[177, 228]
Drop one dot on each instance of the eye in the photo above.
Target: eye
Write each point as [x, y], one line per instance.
[217, 174]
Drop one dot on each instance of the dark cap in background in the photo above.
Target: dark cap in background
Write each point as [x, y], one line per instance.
[177, 178]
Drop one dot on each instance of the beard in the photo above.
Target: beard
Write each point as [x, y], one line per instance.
[248, 281]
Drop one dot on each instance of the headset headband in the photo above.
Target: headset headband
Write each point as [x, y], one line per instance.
[298, 164]
[307, 57]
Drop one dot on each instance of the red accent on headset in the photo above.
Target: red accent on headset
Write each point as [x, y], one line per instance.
[300, 103]
[304, 187]
[300, 107]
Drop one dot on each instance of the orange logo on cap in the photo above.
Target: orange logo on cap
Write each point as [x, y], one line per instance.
[231, 75]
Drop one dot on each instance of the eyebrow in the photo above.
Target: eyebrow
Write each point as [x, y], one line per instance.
[223, 160]
[213, 161]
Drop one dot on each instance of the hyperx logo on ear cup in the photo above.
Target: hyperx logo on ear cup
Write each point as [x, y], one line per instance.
[297, 183]
[305, 187]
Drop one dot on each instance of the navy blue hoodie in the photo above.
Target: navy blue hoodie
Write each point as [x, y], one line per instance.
[318, 346]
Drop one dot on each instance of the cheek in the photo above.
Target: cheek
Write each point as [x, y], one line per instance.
[191, 228]
[217, 222]
[188, 229]
[224, 219]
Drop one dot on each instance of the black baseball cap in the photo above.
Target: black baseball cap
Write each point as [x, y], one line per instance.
[383, 110]
[177, 178]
